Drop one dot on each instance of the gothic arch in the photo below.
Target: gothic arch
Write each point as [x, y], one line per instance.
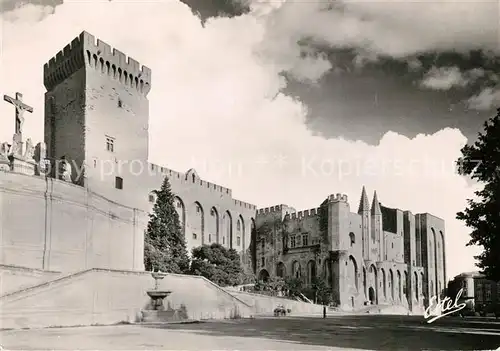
[443, 264]
[227, 229]
[327, 271]
[240, 232]
[373, 283]
[364, 282]
[353, 273]
[422, 281]
[400, 290]
[281, 270]
[391, 283]
[296, 271]
[406, 293]
[384, 283]
[213, 226]
[433, 253]
[181, 211]
[415, 275]
[263, 275]
[311, 271]
[197, 223]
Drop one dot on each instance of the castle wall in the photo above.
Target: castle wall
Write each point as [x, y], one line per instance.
[112, 113]
[391, 276]
[208, 211]
[52, 225]
[13, 278]
[433, 253]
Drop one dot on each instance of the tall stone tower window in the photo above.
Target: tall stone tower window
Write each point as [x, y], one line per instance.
[119, 183]
[352, 237]
[110, 144]
[209, 238]
[292, 242]
[238, 241]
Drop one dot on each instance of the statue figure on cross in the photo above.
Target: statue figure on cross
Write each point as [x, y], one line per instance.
[20, 108]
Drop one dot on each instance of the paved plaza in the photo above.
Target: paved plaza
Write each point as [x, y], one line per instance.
[288, 333]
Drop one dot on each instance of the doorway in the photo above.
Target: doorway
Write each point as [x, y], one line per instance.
[371, 295]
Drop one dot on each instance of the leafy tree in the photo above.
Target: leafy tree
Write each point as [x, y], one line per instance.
[165, 245]
[218, 264]
[293, 286]
[273, 285]
[322, 291]
[481, 161]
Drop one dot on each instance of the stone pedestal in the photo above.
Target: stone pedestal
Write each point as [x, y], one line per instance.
[20, 165]
[167, 315]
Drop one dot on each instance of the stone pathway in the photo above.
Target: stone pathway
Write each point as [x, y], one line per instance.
[137, 337]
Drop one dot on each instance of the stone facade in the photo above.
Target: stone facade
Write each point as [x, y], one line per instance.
[96, 141]
[93, 198]
[378, 255]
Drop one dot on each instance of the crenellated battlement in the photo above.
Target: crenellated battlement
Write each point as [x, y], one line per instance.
[337, 198]
[180, 177]
[305, 213]
[276, 208]
[98, 55]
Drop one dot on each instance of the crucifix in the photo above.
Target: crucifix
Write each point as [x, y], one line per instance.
[20, 108]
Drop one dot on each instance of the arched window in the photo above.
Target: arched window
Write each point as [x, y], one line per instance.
[352, 237]
[238, 225]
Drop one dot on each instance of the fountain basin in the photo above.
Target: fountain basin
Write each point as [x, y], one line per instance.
[158, 294]
[157, 297]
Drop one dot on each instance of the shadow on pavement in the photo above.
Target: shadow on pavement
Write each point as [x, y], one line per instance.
[360, 332]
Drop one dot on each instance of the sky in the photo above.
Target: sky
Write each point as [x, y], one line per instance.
[287, 102]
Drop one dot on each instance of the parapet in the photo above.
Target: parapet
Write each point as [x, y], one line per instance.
[306, 213]
[276, 208]
[337, 198]
[85, 50]
[182, 178]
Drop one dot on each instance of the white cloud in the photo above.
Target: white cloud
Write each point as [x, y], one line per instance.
[216, 99]
[486, 99]
[444, 78]
[390, 27]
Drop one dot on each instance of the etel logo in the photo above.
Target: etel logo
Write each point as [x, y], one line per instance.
[443, 308]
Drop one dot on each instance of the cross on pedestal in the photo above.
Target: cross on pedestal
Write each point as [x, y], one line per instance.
[20, 108]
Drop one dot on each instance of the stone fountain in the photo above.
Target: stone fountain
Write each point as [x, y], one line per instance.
[156, 311]
[157, 296]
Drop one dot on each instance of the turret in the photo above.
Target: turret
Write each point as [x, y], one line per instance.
[364, 212]
[376, 229]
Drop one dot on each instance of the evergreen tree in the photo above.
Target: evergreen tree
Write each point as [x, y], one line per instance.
[481, 161]
[165, 245]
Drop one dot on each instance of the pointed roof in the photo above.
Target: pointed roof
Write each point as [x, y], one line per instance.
[364, 205]
[376, 205]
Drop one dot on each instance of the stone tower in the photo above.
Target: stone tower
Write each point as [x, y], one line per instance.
[377, 234]
[364, 212]
[97, 116]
